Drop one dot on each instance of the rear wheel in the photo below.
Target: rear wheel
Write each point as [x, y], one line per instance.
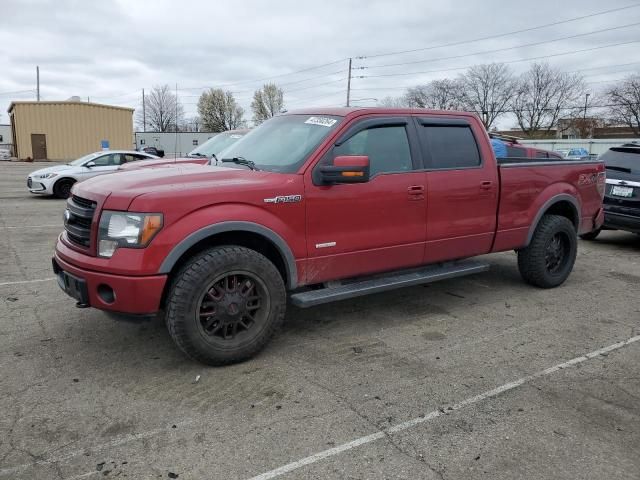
[549, 258]
[225, 305]
[62, 188]
[591, 235]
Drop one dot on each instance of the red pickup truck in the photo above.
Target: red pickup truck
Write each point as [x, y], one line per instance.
[318, 205]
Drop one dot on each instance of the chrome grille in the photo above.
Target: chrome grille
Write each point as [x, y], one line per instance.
[78, 219]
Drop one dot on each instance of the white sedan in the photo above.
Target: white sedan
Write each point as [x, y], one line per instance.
[59, 179]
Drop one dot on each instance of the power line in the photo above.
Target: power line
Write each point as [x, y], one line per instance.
[244, 82]
[500, 35]
[505, 62]
[503, 49]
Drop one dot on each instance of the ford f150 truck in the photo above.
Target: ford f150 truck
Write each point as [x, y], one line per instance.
[316, 206]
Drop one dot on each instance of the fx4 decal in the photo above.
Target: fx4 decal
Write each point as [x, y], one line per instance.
[587, 178]
[284, 199]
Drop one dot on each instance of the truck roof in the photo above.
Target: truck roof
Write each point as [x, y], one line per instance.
[345, 111]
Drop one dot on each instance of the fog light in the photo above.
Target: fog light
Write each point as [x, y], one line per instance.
[106, 294]
[107, 247]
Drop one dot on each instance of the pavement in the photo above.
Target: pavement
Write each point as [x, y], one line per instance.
[477, 377]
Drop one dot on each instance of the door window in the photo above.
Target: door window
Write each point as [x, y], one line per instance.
[449, 146]
[104, 160]
[387, 148]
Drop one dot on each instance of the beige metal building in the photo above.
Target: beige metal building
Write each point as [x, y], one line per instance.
[67, 130]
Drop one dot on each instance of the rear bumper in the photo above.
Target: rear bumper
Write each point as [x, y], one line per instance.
[116, 293]
[620, 221]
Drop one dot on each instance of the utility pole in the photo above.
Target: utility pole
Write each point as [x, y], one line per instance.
[584, 115]
[175, 149]
[349, 84]
[144, 113]
[38, 82]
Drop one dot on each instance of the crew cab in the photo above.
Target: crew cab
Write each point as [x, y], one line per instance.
[315, 206]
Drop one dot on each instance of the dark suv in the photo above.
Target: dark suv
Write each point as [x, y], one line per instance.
[622, 194]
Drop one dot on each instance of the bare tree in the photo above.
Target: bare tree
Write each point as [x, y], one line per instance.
[164, 112]
[192, 124]
[543, 94]
[625, 102]
[219, 111]
[267, 102]
[439, 94]
[486, 90]
[393, 102]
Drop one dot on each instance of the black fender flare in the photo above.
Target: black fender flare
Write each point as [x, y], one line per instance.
[563, 197]
[178, 250]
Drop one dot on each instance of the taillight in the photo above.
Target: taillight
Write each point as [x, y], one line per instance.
[602, 182]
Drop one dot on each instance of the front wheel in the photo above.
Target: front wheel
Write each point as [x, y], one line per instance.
[225, 304]
[62, 188]
[549, 258]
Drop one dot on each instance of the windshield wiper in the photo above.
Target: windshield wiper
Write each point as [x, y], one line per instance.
[196, 154]
[241, 161]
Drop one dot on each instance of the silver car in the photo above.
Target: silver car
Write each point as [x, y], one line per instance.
[59, 179]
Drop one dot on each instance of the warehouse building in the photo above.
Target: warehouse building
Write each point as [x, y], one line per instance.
[67, 130]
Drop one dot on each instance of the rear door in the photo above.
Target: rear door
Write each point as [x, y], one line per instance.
[462, 188]
[354, 229]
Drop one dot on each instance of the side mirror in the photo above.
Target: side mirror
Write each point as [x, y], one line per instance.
[346, 169]
[90, 164]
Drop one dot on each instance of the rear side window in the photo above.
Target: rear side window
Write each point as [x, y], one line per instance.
[449, 146]
[542, 155]
[516, 152]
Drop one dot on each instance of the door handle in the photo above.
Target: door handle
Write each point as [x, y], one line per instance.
[486, 185]
[416, 192]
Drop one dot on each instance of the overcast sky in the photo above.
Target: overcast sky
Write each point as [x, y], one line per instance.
[109, 50]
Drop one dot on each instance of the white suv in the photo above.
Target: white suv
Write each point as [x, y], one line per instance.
[59, 179]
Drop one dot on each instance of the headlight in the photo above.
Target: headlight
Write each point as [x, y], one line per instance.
[47, 175]
[126, 230]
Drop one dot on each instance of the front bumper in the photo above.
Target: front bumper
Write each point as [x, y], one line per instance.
[42, 186]
[104, 291]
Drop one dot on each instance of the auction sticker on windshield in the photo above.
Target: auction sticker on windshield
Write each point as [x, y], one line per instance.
[323, 121]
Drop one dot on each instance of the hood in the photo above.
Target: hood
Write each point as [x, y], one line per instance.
[54, 169]
[173, 180]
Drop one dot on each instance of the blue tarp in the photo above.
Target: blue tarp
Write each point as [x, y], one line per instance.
[499, 148]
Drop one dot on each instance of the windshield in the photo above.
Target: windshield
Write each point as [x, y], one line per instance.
[623, 158]
[283, 143]
[84, 159]
[216, 144]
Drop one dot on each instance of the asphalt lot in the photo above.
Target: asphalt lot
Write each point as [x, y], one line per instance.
[457, 369]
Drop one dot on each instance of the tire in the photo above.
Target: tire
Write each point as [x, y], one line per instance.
[591, 235]
[217, 320]
[549, 258]
[62, 188]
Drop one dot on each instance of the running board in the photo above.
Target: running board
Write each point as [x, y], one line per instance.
[406, 278]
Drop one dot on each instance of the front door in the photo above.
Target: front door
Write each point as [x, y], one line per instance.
[39, 146]
[354, 229]
[106, 163]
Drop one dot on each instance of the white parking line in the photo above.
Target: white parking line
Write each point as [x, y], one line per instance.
[437, 413]
[20, 282]
[76, 453]
[16, 227]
